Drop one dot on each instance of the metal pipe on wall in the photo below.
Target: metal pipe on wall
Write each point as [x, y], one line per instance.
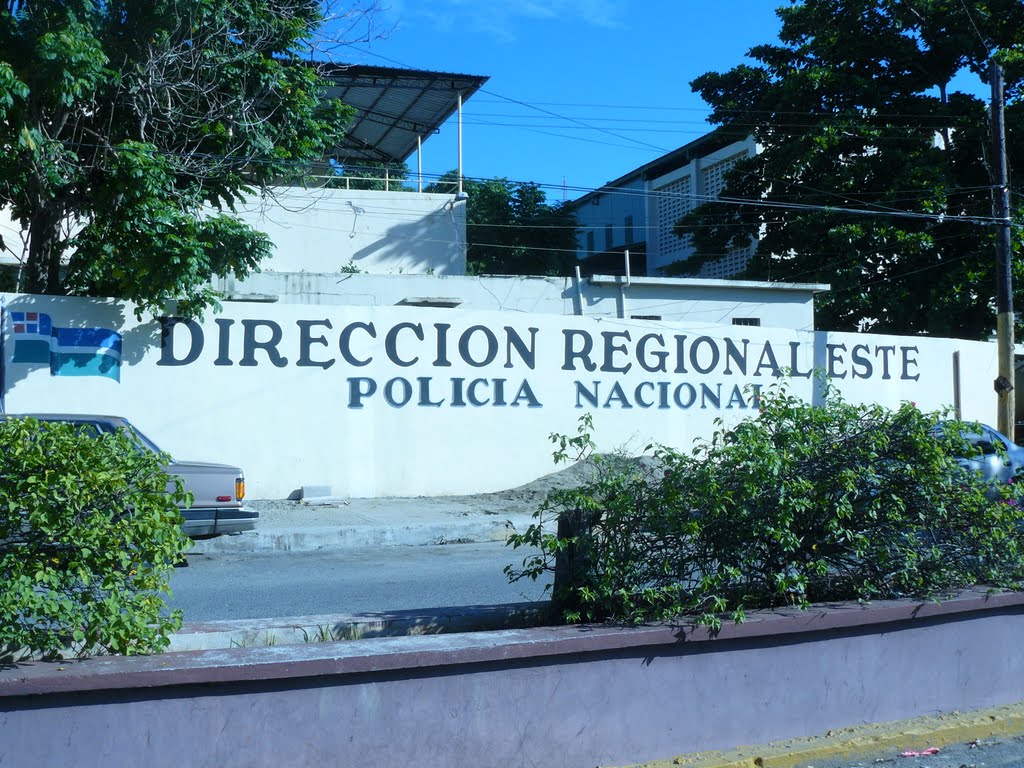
[623, 287]
[579, 292]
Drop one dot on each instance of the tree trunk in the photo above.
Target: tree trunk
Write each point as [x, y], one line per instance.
[572, 563]
[45, 248]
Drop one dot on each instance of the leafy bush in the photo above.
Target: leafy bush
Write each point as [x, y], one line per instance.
[88, 536]
[805, 503]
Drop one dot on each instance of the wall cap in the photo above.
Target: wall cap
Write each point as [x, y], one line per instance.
[388, 654]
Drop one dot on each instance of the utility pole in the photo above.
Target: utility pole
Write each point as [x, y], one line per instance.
[1004, 286]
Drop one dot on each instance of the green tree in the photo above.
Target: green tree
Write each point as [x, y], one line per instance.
[130, 128]
[89, 533]
[512, 230]
[874, 173]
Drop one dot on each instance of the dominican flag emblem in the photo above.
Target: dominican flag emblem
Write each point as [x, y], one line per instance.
[85, 352]
[31, 331]
[69, 351]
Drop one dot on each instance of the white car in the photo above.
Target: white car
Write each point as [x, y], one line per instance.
[217, 489]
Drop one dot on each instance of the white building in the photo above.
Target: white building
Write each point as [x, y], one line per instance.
[637, 211]
[337, 224]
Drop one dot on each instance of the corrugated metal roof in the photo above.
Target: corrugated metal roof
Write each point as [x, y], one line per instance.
[394, 107]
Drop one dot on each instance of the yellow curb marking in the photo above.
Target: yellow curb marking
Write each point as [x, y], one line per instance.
[917, 733]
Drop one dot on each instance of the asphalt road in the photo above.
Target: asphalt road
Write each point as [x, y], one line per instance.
[988, 753]
[275, 584]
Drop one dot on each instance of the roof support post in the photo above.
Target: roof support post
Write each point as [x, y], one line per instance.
[460, 143]
[419, 163]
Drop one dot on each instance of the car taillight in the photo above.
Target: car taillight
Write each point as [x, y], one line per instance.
[240, 488]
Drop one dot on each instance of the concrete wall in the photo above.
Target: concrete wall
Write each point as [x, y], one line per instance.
[690, 300]
[775, 305]
[407, 401]
[328, 230]
[571, 697]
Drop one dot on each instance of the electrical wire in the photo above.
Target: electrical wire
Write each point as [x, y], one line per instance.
[573, 120]
[709, 110]
[762, 204]
[711, 257]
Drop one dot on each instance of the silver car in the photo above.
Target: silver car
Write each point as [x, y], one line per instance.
[217, 489]
[997, 458]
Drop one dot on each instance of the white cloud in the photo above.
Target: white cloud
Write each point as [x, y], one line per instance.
[503, 18]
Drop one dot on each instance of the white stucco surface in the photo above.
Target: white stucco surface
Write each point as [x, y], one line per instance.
[398, 401]
[318, 230]
[777, 305]
[328, 230]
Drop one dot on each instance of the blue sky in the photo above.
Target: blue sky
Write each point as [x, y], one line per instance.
[580, 91]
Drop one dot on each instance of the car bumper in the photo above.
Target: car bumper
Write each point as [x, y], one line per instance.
[217, 521]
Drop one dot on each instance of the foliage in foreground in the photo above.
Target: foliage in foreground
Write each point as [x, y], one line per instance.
[130, 130]
[88, 537]
[803, 504]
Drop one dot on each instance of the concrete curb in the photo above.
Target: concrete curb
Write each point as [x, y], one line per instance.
[296, 630]
[843, 743]
[311, 538]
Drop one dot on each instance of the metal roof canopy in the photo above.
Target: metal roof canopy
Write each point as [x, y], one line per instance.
[395, 107]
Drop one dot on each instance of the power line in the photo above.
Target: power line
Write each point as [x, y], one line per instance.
[764, 204]
[577, 122]
[400, 213]
[893, 278]
[970, 18]
[530, 106]
[709, 110]
[781, 205]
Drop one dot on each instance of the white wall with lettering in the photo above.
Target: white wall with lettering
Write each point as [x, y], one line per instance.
[378, 401]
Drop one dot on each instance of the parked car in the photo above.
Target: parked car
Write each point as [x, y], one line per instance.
[217, 489]
[997, 458]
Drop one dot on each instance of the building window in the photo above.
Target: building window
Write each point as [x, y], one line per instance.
[590, 243]
[755, 321]
[608, 237]
[629, 230]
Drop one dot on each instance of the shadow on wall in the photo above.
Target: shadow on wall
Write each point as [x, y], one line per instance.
[572, 295]
[50, 333]
[418, 247]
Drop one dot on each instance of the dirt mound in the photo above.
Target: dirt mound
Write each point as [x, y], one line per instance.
[531, 495]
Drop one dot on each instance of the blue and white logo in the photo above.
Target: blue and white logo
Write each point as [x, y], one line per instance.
[69, 351]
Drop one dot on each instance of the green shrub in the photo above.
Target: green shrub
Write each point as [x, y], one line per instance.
[804, 503]
[88, 536]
